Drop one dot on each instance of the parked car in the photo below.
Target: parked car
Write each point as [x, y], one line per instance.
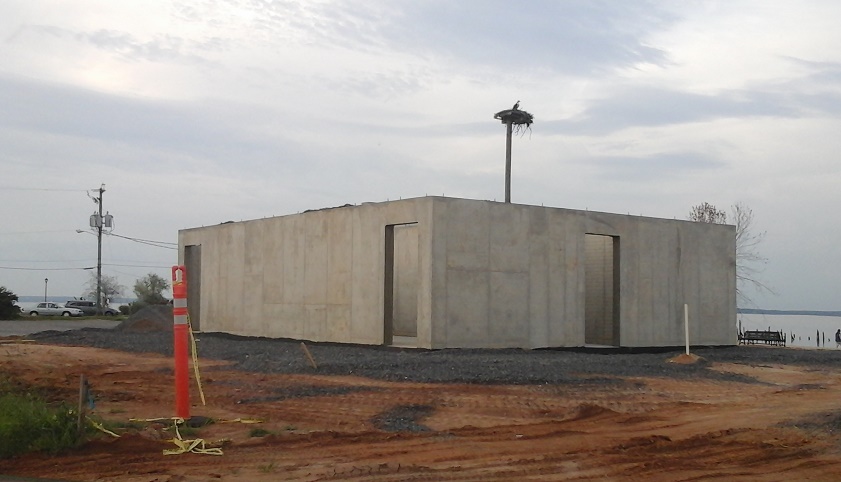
[89, 307]
[53, 309]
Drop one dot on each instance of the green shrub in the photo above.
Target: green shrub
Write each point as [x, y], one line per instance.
[8, 309]
[28, 424]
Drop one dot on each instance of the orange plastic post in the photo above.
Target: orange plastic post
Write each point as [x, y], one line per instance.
[180, 336]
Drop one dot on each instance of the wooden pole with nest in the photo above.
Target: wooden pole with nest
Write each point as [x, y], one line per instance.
[514, 120]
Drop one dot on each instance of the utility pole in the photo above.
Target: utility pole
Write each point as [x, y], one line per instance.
[99, 253]
[98, 221]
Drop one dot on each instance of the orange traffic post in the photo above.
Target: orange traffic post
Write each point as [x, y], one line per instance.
[180, 335]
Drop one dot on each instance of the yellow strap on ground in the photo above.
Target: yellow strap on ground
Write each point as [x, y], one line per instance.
[99, 427]
[195, 358]
[179, 420]
[240, 420]
[196, 446]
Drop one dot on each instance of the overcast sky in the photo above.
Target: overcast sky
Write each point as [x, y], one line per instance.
[198, 112]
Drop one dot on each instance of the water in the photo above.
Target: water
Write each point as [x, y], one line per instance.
[809, 331]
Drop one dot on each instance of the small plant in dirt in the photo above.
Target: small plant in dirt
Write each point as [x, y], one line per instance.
[259, 432]
[266, 468]
[29, 424]
[120, 426]
[186, 431]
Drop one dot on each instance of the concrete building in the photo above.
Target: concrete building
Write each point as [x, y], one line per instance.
[438, 272]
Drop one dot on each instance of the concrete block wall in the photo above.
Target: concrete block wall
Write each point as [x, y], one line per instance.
[313, 276]
[514, 276]
[486, 274]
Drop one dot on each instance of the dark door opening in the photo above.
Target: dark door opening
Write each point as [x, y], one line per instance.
[192, 264]
[601, 294]
[400, 282]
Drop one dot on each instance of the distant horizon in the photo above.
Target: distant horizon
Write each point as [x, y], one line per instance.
[126, 299]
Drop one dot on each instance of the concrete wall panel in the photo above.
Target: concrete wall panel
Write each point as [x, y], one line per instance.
[315, 322]
[438, 288]
[338, 322]
[284, 320]
[488, 274]
[339, 259]
[274, 258]
[467, 308]
[508, 243]
[315, 258]
[468, 231]
[293, 259]
[540, 289]
[368, 271]
[508, 316]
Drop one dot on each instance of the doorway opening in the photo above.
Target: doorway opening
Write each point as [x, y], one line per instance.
[601, 293]
[400, 324]
[192, 264]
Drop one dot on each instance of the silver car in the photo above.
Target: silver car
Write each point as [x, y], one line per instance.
[53, 309]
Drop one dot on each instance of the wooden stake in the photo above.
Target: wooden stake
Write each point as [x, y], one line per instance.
[309, 356]
[83, 398]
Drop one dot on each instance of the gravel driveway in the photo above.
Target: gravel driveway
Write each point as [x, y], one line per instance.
[483, 366]
[26, 326]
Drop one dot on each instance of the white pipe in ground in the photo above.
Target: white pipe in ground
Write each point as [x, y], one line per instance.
[686, 325]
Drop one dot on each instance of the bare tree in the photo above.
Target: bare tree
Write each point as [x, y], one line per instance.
[111, 287]
[749, 262]
[707, 213]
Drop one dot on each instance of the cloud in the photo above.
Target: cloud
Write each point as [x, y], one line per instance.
[646, 106]
[578, 38]
[76, 112]
[652, 167]
[124, 45]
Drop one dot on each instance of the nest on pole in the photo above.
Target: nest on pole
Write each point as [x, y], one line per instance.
[519, 119]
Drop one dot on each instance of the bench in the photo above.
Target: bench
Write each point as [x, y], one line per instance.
[752, 337]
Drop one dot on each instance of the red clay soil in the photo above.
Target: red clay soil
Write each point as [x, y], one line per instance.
[653, 429]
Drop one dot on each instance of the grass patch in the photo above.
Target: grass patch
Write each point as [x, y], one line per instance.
[118, 426]
[28, 423]
[258, 432]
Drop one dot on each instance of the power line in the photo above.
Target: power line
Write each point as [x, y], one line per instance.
[42, 260]
[157, 244]
[9, 188]
[36, 232]
[140, 239]
[45, 269]
[135, 265]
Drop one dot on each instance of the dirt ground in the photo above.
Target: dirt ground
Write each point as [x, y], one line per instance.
[653, 429]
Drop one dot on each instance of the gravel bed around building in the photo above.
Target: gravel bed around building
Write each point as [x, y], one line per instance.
[482, 366]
